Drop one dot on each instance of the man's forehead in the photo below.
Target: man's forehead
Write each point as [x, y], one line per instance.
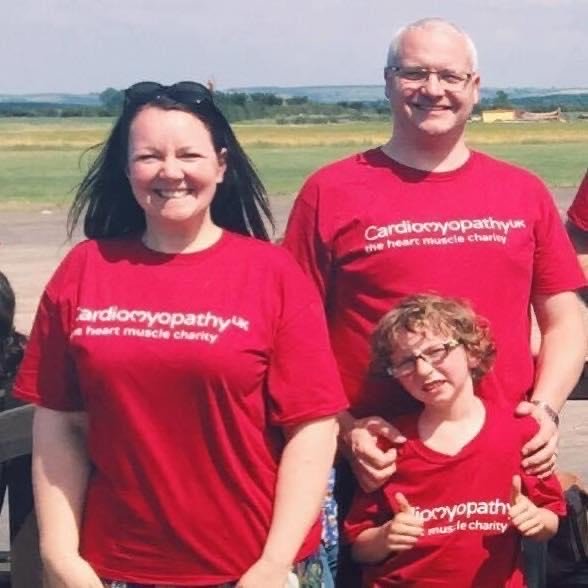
[433, 46]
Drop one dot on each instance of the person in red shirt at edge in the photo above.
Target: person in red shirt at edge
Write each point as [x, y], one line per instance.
[423, 212]
[455, 509]
[577, 224]
[182, 370]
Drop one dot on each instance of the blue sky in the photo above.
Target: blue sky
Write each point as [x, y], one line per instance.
[87, 45]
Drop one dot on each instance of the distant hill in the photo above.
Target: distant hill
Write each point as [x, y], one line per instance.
[54, 98]
[327, 94]
[324, 94]
[374, 93]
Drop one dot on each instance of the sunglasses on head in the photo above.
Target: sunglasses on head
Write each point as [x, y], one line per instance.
[183, 92]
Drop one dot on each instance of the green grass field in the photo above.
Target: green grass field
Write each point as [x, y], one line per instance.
[42, 160]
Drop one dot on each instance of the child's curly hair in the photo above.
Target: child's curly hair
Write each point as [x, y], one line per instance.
[12, 343]
[450, 316]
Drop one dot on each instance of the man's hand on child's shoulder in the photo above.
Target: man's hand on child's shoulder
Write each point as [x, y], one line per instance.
[371, 450]
[540, 452]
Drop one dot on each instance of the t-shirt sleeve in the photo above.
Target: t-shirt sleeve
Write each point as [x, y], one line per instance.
[578, 212]
[303, 380]
[556, 268]
[543, 492]
[305, 239]
[367, 511]
[47, 375]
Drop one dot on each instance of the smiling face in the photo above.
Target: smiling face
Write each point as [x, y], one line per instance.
[428, 109]
[447, 382]
[173, 168]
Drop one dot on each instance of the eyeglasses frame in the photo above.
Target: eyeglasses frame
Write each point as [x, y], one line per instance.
[448, 346]
[396, 69]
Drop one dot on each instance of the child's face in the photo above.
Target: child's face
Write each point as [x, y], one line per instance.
[432, 367]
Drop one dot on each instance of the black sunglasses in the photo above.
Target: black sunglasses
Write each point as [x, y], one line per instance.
[184, 92]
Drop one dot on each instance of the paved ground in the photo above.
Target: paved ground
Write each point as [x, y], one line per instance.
[33, 241]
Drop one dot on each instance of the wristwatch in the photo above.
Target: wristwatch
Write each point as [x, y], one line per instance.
[549, 411]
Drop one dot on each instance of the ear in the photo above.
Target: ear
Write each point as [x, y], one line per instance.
[473, 362]
[476, 88]
[222, 165]
[386, 85]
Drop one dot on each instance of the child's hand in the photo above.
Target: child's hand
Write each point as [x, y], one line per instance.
[525, 516]
[404, 530]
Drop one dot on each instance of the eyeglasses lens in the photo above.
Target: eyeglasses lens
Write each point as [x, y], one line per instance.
[432, 356]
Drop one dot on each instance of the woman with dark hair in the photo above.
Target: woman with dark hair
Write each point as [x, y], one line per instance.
[185, 388]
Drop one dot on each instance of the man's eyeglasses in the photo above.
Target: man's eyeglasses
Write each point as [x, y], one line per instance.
[433, 356]
[183, 92]
[419, 76]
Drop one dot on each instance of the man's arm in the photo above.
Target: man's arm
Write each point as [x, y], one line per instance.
[311, 247]
[559, 365]
[563, 347]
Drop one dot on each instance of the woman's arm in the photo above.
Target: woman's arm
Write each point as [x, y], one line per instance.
[300, 490]
[60, 475]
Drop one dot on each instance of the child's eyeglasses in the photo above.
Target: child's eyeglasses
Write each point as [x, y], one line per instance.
[433, 356]
[184, 92]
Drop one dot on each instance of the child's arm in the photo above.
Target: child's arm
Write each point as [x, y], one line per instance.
[539, 524]
[399, 534]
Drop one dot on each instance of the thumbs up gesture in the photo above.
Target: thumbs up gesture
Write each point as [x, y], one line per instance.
[403, 531]
[524, 515]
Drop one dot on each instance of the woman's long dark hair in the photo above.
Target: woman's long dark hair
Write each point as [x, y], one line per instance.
[240, 203]
[11, 342]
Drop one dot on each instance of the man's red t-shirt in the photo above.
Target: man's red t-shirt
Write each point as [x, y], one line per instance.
[369, 231]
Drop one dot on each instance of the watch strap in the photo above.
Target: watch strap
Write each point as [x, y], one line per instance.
[552, 414]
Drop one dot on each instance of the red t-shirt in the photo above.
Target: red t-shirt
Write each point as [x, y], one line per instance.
[464, 501]
[369, 231]
[578, 212]
[188, 367]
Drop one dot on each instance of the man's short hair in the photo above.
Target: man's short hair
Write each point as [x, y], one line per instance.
[435, 24]
[451, 317]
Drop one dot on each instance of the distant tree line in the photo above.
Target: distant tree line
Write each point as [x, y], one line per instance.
[236, 106]
[241, 106]
[548, 103]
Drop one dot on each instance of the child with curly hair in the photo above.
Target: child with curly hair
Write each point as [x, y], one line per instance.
[454, 512]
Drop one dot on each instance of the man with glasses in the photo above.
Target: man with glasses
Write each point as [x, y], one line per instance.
[425, 213]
